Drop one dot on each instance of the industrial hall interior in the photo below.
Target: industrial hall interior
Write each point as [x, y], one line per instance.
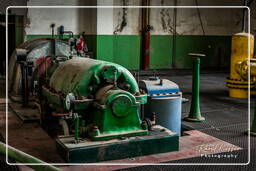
[102, 85]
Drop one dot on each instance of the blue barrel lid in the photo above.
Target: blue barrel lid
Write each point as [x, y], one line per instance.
[158, 86]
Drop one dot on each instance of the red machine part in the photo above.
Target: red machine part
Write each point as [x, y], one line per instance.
[81, 45]
[42, 64]
[146, 50]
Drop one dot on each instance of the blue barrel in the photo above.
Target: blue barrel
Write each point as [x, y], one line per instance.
[164, 100]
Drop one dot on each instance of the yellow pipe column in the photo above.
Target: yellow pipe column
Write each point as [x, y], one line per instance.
[238, 87]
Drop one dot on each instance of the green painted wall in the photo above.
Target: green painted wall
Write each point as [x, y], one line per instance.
[105, 48]
[125, 50]
[121, 49]
[216, 48]
[160, 51]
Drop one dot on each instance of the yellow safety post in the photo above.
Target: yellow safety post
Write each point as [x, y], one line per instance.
[241, 44]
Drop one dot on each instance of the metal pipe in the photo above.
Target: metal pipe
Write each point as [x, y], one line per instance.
[60, 114]
[244, 17]
[199, 16]
[53, 43]
[148, 12]
[26, 158]
[195, 104]
[174, 35]
[145, 34]
[195, 113]
[76, 120]
[246, 3]
[25, 91]
[52, 27]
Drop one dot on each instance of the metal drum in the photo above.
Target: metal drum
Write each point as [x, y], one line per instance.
[164, 101]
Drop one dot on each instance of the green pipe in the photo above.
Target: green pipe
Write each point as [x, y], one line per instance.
[77, 128]
[25, 158]
[195, 113]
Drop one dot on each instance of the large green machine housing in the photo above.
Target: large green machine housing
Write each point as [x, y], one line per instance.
[101, 97]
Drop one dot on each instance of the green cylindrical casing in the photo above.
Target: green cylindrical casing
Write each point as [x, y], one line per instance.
[76, 128]
[82, 75]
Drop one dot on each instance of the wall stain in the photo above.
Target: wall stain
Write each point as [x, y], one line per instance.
[122, 22]
[166, 20]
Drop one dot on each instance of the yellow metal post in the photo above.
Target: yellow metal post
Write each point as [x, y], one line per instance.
[242, 43]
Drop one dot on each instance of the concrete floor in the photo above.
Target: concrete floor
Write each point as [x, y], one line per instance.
[226, 119]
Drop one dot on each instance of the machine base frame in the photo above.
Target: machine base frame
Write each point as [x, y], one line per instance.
[159, 140]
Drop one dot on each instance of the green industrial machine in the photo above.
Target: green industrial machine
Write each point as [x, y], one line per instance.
[95, 106]
[103, 98]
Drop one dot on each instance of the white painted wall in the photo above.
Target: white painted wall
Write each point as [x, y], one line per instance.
[106, 21]
[109, 19]
[161, 19]
[105, 18]
[40, 20]
[215, 21]
[132, 18]
[73, 19]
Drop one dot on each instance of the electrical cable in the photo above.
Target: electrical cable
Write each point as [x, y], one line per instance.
[199, 15]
